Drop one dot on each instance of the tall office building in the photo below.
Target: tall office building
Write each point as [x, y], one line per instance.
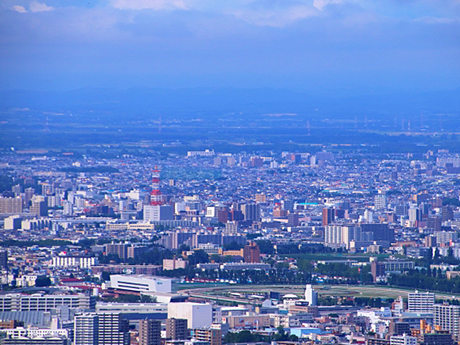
[86, 328]
[150, 332]
[176, 329]
[447, 317]
[328, 216]
[420, 302]
[251, 212]
[113, 330]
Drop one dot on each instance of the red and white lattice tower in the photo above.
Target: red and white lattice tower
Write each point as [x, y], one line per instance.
[156, 197]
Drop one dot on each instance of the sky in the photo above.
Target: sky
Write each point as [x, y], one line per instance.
[318, 46]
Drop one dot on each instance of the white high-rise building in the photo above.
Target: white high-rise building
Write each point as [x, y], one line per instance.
[420, 302]
[158, 212]
[311, 296]
[448, 318]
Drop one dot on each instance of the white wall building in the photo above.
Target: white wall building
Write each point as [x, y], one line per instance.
[143, 283]
[311, 296]
[421, 302]
[198, 315]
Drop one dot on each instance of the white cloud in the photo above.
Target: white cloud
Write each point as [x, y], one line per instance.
[275, 17]
[19, 9]
[434, 20]
[35, 6]
[320, 4]
[150, 4]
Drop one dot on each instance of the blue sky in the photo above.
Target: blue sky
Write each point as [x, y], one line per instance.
[318, 46]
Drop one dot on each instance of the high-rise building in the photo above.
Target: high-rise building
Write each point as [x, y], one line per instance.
[251, 252]
[86, 328]
[421, 302]
[447, 317]
[11, 205]
[380, 202]
[153, 213]
[3, 259]
[176, 329]
[251, 212]
[119, 249]
[112, 330]
[39, 207]
[311, 296]
[150, 332]
[377, 270]
[328, 216]
[447, 213]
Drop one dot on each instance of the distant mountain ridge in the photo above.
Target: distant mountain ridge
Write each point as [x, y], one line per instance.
[145, 100]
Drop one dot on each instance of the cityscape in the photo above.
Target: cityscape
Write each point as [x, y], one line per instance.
[245, 172]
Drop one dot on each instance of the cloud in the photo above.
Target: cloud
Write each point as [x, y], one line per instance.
[19, 9]
[150, 5]
[320, 4]
[434, 20]
[35, 6]
[275, 17]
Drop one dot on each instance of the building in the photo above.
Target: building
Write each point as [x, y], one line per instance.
[211, 335]
[158, 212]
[4, 259]
[39, 207]
[380, 202]
[435, 338]
[134, 311]
[198, 315]
[86, 328]
[54, 340]
[10, 205]
[311, 296]
[447, 318]
[74, 261]
[343, 235]
[403, 340]
[176, 329]
[251, 253]
[112, 330]
[149, 332]
[174, 264]
[397, 265]
[251, 212]
[119, 249]
[143, 283]
[41, 302]
[328, 216]
[377, 270]
[420, 302]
